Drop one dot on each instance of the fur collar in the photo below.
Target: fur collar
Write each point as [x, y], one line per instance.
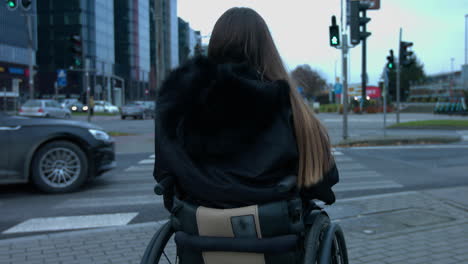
[226, 104]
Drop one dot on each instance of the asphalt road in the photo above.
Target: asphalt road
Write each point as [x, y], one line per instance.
[124, 196]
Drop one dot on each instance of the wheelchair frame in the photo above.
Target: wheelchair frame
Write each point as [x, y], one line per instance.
[324, 242]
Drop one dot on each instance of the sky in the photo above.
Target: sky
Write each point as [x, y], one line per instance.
[300, 31]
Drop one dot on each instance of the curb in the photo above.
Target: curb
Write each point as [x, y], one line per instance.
[399, 140]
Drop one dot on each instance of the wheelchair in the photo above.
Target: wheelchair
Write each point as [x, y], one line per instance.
[274, 233]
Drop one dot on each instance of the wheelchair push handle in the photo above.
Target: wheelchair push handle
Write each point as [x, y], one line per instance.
[164, 185]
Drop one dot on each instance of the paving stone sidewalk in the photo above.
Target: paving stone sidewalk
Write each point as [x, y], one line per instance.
[410, 227]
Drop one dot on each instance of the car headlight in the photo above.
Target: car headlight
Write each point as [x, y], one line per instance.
[74, 108]
[85, 108]
[99, 135]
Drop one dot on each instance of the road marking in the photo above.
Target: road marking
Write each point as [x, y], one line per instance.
[71, 222]
[110, 201]
[337, 153]
[147, 161]
[359, 174]
[128, 187]
[358, 186]
[140, 168]
[152, 156]
[350, 167]
[342, 159]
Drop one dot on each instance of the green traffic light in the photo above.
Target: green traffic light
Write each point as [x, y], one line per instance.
[11, 4]
[77, 62]
[390, 65]
[334, 40]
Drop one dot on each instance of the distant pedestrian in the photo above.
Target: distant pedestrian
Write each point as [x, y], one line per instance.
[231, 126]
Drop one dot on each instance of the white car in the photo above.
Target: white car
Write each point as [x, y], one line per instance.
[44, 108]
[105, 107]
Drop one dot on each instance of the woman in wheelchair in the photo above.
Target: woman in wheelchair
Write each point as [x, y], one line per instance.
[240, 156]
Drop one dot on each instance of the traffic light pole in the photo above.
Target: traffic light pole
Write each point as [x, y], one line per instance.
[364, 66]
[385, 94]
[31, 57]
[398, 69]
[344, 57]
[88, 89]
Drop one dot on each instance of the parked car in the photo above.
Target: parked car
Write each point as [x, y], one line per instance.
[150, 105]
[105, 107]
[56, 155]
[74, 105]
[44, 108]
[136, 111]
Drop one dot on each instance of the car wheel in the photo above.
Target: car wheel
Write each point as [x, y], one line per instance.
[123, 117]
[59, 167]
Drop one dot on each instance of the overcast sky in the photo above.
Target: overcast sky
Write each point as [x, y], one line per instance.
[300, 31]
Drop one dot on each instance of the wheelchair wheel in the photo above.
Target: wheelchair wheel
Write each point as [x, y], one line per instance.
[339, 251]
[160, 249]
[314, 237]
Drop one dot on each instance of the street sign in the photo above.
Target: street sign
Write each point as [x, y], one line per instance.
[61, 77]
[374, 4]
[373, 92]
[338, 87]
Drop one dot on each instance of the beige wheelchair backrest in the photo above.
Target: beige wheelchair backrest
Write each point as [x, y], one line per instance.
[238, 222]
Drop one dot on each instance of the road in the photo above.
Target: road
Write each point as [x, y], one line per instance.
[395, 204]
[125, 196]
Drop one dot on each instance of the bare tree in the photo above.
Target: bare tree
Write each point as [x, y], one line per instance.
[310, 80]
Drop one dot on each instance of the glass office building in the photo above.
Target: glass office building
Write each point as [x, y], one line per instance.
[93, 22]
[132, 45]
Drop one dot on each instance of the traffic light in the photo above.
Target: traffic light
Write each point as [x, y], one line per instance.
[391, 61]
[26, 4]
[77, 50]
[356, 21]
[405, 54]
[12, 4]
[334, 33]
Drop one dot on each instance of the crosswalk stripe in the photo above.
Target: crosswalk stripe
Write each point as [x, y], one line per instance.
[110, 201]
[359, 175]
[152, 156]
[343, 159]
[147, 161]
[139, 168]
[119, 187]
[337, 153]
[350, 167]
[366, 186]
[71, 222]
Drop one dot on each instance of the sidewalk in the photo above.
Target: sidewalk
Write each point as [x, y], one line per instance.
[409, 227]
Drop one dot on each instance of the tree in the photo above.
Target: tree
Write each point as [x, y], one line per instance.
[310, 80]
[413, 73]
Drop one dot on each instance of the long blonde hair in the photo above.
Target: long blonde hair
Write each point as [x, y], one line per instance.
[241, 35]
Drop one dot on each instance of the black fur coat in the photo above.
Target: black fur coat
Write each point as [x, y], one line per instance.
[227, 137]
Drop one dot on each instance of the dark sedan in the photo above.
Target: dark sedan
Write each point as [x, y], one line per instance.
[55, 155]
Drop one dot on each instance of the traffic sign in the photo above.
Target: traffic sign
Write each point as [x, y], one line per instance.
[338, 88]
[373, 4]
[61, 77]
